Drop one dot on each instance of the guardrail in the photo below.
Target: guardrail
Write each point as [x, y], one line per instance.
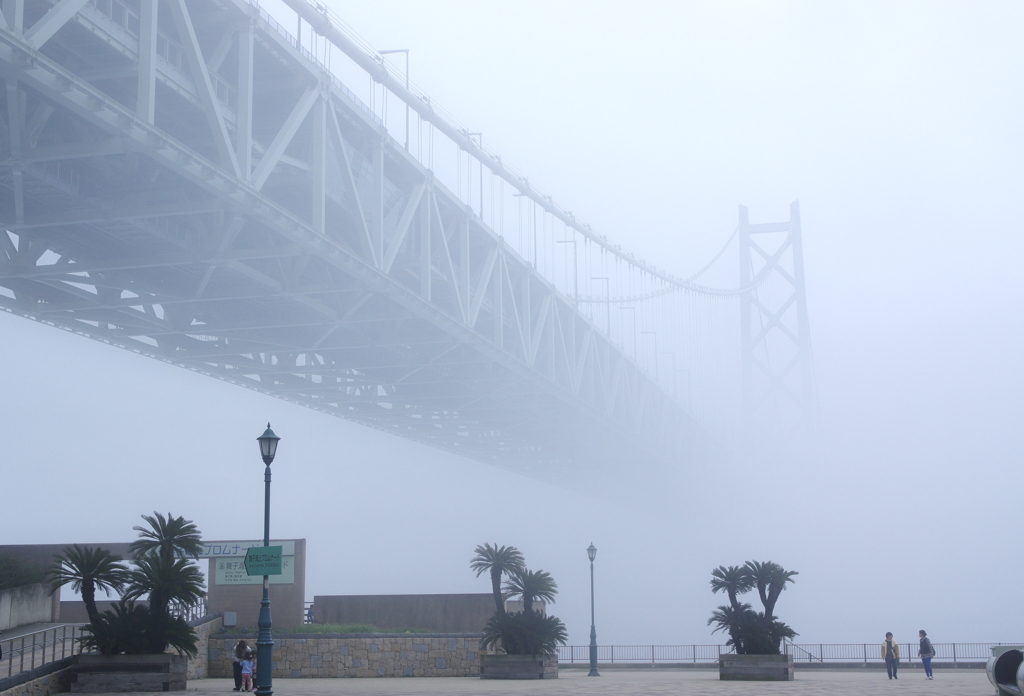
[644, 653]
[189, 612]
[801, 652]
[26, 652]
[868, 652]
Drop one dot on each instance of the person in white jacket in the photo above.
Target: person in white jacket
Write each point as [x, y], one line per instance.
[891, 655]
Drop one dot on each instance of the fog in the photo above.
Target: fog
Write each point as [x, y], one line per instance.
[898, 127]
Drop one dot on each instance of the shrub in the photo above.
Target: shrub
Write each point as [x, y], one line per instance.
[524, 633]
[129, 628]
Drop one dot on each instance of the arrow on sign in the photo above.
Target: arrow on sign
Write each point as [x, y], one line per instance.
[263, 560]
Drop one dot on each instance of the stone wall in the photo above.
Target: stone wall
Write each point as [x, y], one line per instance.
[53, 683]
[204, 628]
[360, 655]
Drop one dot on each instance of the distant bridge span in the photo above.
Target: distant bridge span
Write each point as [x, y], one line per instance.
[184, 179]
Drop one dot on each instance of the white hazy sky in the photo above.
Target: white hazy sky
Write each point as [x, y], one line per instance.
[897, 125]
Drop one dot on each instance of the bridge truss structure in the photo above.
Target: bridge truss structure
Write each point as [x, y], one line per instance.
[187, 180]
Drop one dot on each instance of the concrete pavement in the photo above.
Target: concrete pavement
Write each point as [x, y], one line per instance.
[633, 683]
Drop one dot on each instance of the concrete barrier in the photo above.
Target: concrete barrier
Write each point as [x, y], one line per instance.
[444, 613]
[755, 668]
[519, 667]
[114, 673]
[28, 604]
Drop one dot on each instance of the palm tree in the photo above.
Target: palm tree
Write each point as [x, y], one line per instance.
[505, 560]
[87, 569]
[163, 580]
[731, 620]
[733, 580]
[770, 579]
[531, 585]
[169, 536]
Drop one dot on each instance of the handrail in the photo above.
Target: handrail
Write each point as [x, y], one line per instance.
[35, 646]
[811, 652]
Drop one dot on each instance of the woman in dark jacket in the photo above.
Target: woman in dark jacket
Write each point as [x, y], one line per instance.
[926, 652]
[237, 655]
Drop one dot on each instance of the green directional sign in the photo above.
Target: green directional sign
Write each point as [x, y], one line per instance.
[263, 560]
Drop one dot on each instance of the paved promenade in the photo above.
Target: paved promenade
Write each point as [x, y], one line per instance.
[634, 683]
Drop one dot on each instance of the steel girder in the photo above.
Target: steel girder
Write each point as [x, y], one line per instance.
[178, 179]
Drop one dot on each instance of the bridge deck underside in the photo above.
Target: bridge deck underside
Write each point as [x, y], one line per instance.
[250, 220]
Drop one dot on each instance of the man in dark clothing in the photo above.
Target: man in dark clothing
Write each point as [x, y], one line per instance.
[891, 654]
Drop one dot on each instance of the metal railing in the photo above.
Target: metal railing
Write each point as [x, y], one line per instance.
[32, 650]
[868, 652]
[644, 653]
[189, 612]
[801, 652]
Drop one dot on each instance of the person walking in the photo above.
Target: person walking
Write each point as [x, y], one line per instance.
[891, 654]
[237, 655]
[926, 652]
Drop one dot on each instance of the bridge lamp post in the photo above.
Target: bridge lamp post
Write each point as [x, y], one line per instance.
[264, 640]
[592, 553]
[480, 136]
[406, 52]
[608, 303]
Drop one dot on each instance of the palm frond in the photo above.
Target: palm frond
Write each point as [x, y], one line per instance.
[169, 536]
[90, 566]
[488, 558]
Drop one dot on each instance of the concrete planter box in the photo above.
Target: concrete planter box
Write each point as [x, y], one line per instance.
[755, 667]
[109, 673]
[519, 666]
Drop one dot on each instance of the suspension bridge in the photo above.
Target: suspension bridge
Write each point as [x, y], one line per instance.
[193, 181]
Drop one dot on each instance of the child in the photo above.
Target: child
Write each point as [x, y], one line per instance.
[247, 664]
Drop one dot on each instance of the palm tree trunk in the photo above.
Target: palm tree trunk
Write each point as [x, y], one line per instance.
[89, 599]
[158, 612]
[499, 600]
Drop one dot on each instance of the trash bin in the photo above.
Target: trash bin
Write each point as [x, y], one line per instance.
[1006, 669]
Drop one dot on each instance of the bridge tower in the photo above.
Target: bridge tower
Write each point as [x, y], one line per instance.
[777, 366]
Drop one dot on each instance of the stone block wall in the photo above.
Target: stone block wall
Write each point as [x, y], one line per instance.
[53, 683]
[360, 655]
[199, 667]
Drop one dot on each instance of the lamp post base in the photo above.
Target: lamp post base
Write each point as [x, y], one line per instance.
[593, 654]
[265, 646]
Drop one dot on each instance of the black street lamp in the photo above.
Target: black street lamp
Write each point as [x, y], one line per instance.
[264, 640]
[592, 552]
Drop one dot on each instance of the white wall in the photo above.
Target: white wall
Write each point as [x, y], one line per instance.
[24, 605]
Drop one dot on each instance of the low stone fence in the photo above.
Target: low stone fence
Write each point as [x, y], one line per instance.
[43, 681]
[359, 655]
[204, 628]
